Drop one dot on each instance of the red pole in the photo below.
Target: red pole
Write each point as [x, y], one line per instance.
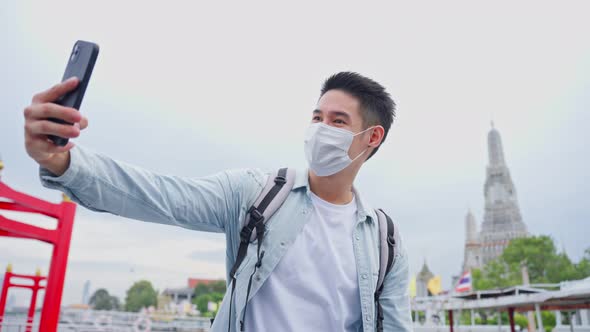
[4, 295]
[511, 317]
[451, 319]
[57, 269]
[31, 313]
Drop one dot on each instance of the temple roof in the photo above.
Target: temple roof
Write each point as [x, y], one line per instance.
[425, 274]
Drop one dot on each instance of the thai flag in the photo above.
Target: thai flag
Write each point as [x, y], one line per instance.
[464, 284]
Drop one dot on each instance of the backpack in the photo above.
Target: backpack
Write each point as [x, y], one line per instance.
[268, 202]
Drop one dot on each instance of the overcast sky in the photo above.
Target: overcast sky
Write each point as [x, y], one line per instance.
[190, 89]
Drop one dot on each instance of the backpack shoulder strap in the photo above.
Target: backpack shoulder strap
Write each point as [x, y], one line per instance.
[386, 255]
[273, 195]
[387, 247]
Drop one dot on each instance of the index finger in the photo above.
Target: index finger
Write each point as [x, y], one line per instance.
[56, 91]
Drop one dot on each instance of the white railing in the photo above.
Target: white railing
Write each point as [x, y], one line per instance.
[76, 320]
[461, 328]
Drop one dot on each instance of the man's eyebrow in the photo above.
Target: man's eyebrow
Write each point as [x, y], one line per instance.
[336, 113]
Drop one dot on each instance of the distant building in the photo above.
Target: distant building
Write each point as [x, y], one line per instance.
[422, 280]
[193, 282]
[164, 303]
[502, 220]
[472, 257]
[179, 300]
[177, 295]
[186, 293]
[86, 292]
[79, 306]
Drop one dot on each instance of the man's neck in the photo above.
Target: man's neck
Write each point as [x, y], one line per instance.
[336, 189]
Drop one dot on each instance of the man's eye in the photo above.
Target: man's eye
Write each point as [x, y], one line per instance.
[339, 121]
[316, 118]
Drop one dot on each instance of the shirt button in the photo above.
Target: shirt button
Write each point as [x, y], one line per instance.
[282, 243]
[304, 211]
[258, 277]
[358, 237]
[364, 276]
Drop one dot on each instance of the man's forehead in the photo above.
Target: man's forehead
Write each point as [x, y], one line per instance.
[333, 112]
[336, 100]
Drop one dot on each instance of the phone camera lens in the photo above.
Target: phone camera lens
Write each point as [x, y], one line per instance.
[75, 53]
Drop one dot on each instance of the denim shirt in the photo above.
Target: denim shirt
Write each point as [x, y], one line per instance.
[218, 203]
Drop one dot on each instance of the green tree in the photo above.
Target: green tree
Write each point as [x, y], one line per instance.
[218, 286]
[544, 263]
[521, 321]
[538, 252]
[102, 300]
[421, 316]
[465, 318]
[201, 289]
[141, 295]
[561, 268]
[583, 267]
[548, 318]
[202, 303]
[496, 274]
[213, 287]
[216, 297]
[205, 293]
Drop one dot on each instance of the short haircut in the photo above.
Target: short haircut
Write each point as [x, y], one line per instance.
[377, 107]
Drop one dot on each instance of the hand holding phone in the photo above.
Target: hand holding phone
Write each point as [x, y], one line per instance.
[80, 64]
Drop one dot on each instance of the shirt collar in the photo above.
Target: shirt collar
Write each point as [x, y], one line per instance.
[364, 210]
[301, 178]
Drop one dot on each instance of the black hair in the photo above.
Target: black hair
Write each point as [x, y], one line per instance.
[377, 107]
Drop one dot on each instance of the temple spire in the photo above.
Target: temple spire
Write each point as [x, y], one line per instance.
[470, 228]
[495, 150]
[502, 220]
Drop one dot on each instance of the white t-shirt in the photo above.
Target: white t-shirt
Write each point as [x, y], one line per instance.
[314, 286]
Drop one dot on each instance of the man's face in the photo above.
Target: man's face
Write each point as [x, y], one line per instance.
[341, 110]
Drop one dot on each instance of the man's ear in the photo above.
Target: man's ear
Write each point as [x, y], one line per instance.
[376, 136]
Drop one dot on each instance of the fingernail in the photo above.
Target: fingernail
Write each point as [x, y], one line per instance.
[72, 79]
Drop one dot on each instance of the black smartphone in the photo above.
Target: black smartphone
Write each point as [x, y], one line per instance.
[80, 64]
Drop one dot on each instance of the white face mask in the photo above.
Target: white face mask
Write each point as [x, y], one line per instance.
[326, 148]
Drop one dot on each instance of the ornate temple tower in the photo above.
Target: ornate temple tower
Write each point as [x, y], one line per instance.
[422, 280]
[472, 258]
[502, 220]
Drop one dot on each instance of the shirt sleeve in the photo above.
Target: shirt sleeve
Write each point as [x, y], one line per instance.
[395, 298]
[103, 184]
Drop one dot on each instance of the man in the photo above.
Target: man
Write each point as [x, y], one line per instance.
[321, 260]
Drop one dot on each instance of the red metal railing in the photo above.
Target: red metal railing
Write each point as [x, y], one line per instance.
[35, 287]
[64, 213]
